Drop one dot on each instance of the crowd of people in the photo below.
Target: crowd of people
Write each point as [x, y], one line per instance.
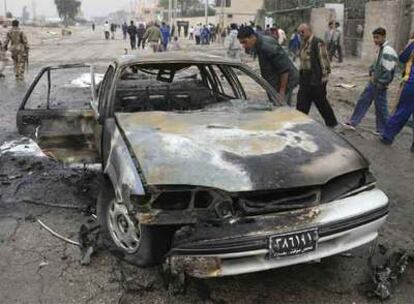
[157, 37]
[277, 65]
[315, 56]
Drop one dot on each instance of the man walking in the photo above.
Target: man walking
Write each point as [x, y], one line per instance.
[197, 34]
[19, 48]
[232, 43]
[333, 41]
[405, 107]
[275, 65]
[382, 73]
[125, 30]
[205, 35]
[154, 37]
[314, 72]
[165, 32]
[113, 30]
[140, 35]
[132, 32]
[107, 28]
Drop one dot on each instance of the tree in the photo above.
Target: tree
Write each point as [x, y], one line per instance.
[68, 9]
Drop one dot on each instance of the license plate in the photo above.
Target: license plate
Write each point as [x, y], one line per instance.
[293, 243]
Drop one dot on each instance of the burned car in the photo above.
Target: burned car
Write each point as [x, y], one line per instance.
[205, 168]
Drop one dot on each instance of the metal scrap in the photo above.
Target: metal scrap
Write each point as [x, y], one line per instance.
[48, 229]
[88, 238]
[386, 276]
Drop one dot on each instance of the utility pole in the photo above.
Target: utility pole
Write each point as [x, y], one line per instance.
[206, 11]
[175, 12]
[5, 8]
[34, 6]
[222, 19]
[170, 13]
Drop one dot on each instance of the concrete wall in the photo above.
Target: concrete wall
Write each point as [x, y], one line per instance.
[319, 20]
[243, 11]
[386, 14]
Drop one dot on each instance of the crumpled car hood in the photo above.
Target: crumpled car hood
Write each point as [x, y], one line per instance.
[258, 150]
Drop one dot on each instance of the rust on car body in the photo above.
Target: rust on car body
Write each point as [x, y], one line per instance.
[234, 151]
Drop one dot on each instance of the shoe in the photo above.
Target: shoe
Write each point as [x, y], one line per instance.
[376, 133]
[385, 141]
[348, 126]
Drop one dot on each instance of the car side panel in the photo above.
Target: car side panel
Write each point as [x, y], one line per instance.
[119, 165]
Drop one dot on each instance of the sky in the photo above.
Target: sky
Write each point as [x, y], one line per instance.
[47, 8]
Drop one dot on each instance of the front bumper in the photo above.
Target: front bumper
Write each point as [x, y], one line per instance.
[243, 248]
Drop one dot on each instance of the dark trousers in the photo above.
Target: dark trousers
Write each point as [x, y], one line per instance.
[141, 41]
[197, 38]
[317, 94]
[133, 41]
[334, 48]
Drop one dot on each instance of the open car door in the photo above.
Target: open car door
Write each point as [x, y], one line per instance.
[56, 113]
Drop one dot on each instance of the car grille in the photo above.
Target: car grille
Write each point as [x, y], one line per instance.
[255, 203]
[266, 202]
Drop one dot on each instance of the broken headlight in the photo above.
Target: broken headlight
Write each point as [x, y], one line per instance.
[194, 199]
[172, 200]
[348, 184]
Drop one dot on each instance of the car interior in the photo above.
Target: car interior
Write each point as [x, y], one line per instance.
[171, 88]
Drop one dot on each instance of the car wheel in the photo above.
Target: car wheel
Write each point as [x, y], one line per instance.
[125, 237]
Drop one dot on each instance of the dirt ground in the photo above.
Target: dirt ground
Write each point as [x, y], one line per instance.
[36, 267]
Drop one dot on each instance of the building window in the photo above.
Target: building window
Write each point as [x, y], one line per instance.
[220, 3]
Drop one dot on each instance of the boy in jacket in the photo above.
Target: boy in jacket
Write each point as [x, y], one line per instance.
[382, 73]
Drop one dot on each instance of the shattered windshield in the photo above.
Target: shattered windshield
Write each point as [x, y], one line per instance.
[187, 87]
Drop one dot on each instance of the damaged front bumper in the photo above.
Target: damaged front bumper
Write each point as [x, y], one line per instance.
[239, 247]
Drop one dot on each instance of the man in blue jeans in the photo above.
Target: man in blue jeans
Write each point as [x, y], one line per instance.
[382, 73]
[405, 108]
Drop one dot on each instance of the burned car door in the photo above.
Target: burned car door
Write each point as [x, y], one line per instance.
[56, 113]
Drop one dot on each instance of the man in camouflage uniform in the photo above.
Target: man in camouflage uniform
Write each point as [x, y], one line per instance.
[19, 48]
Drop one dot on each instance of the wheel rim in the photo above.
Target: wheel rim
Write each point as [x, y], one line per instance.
[125, 233]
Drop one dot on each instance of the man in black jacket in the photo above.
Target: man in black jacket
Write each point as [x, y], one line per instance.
[132, 32]
[275, 65]
[140, 34]
[314, 72]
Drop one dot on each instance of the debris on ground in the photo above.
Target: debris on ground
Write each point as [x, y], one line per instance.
[54, 233]
[43, 264]
[345, 86]
[89, 240]
[174, 281]
[386, 275]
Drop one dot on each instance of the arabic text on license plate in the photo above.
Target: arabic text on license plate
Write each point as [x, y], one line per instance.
[293, 243]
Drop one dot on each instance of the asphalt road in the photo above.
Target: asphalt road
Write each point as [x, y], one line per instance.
[36, 267]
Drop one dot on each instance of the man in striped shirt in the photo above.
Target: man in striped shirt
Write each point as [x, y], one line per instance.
[382, 73]
[405, 107]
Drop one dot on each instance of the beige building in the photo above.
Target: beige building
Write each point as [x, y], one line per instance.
[147, 10]
[238, 11]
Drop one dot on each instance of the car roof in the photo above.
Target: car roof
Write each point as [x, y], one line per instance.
[175, 57]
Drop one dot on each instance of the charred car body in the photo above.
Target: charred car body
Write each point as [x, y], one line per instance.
[206, 170]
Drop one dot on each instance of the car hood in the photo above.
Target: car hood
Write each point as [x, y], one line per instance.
[257, 150]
